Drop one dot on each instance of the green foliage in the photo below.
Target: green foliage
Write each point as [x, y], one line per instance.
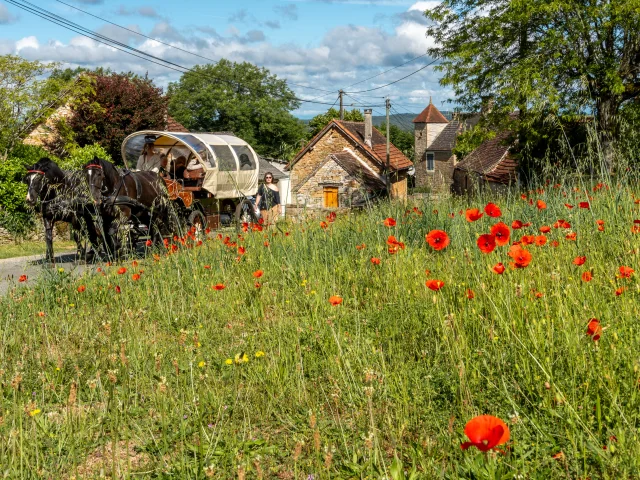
[540, 56]
[27, 97]
[15, 215]
[241, 98]
[317, 123]
[402, 139]
[469, 140]
[78, 156]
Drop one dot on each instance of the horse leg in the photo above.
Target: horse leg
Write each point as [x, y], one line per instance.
[77, 237]
[48, 238]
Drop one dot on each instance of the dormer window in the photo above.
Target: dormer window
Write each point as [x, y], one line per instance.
[431, 161]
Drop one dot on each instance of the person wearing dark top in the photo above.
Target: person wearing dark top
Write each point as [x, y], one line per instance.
[268, 200]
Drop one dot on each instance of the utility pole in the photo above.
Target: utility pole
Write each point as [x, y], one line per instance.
[388, 105]
[341, 92]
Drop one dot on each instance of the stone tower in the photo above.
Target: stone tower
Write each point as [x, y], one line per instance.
[426, 127]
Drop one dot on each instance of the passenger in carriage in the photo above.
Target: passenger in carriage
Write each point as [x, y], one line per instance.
[150, 159]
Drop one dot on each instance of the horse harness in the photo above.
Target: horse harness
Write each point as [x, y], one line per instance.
[121, 182]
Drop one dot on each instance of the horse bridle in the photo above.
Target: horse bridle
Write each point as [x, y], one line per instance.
[92, 166]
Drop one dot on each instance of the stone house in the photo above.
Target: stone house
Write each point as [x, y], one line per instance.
[490, 166]
[345, 164]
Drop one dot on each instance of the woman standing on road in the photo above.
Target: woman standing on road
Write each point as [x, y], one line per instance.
[268, 200]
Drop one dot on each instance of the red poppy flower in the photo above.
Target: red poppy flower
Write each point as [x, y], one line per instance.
[539, 294]
[587, 276]
[584, 205]
[148, 243]
[335, 300]
[501, 233]
[118, 289]
[135, 277]
[541, 204]
[331, 217]
[498, 268]
[389, 222]
[635, 228]
[528, 239]
[620, 290]
[361, 247]
[207, 267]
[579, 260]
[257, 285]
[122, 271]
[375, 260]
[218, 286]
[516, 224]
[486, 243]
[258, 273]
[437, 239]
[492, 210]
[545, 229]
[562, 224]
[324, 224]
[434, 285]
[540, 240]
[23, 278]
[241, 250]
[569, 206]
[81, 288]
[485, 433]
[470, 294]
[555, 243]
[521, 257]
[41, 314]
[626, 272]
[266, 244]
[594, 329]
[473, 214]
[571, 236]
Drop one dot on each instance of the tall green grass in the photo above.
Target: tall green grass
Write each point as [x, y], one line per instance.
[136, 384]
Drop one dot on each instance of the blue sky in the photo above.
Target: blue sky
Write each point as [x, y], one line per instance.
[326, 44]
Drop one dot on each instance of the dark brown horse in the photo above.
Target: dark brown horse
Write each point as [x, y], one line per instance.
[61, 198]
[127, 198]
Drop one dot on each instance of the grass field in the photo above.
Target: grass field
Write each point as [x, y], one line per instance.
[166, 375]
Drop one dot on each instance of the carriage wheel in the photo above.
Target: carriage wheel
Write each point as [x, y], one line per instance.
[245, 214]
[198, 220]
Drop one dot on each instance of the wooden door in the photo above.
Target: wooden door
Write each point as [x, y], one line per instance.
[330, 197]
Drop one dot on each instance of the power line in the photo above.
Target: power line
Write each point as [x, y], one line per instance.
[168, 44]
[386, 71]
[398, 80]
[60, 21]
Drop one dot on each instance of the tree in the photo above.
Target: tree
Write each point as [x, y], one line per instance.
[121, 103]
[241, 98]
[317, 123]
[27, 97]
[541, 56]
[402, 139]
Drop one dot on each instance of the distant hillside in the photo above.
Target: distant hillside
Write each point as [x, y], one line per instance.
[403, 121]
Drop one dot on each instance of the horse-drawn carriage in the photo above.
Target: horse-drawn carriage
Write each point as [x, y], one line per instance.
[202, 179]
[208, 175]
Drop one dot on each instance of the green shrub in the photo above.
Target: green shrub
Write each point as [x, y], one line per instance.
[78, 156]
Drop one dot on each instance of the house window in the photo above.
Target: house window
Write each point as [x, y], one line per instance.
[431, 161]
[330, 197]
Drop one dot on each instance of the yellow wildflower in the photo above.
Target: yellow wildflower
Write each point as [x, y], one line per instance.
[34, 412]
[61, 270]
[259, 354]
[228, 361]
[241, 358]
[201, 364]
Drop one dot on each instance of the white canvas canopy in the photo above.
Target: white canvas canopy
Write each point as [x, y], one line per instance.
[231, 166]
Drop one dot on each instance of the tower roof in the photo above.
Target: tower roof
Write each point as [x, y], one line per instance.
[430, 115]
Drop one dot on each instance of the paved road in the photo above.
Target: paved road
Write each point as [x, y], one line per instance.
[33, 266]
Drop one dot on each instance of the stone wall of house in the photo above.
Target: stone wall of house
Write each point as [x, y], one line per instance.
[46, 132]
[332, 142]
[424, 134]
[441, 179]
[399, 186]
[311, 193]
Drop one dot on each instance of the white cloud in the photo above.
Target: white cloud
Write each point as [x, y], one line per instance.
[27, 42]
[423, 6]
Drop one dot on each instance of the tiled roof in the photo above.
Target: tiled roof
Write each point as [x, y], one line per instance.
[397, 159]
[430, 115]
[174, 126]
[355, 167]
[447, 138]
[265, 166]
[492, 160]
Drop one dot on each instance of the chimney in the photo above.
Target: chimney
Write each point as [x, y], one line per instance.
[368, 127]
